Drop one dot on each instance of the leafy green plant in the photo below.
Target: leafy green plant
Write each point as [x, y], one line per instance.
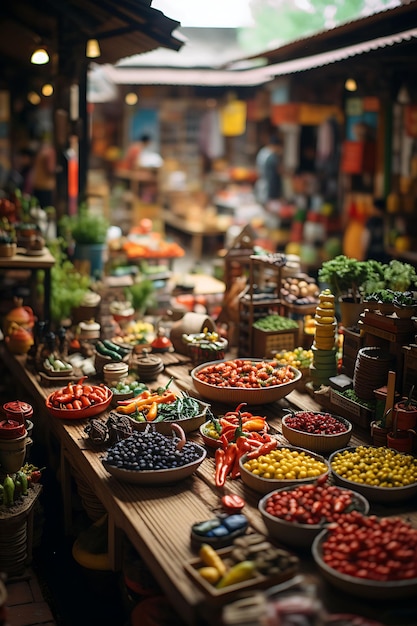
[141, 294]
[68, 286]
[400, 276]
[84, 227]
[344, 276]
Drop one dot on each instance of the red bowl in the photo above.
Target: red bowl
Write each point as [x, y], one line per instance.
[78, 414]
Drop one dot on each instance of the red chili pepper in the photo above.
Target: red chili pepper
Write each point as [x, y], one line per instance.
[232, 503]
[219, 458]
[225, 463]
[266, 447]
[242, 446]
[77, 404]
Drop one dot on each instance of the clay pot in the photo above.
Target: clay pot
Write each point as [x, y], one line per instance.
[405, 418]
[21, 315]
[401, 440]
[18, 340]
[379, 434]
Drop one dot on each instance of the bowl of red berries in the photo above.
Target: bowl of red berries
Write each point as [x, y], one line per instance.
[295, 515]
[317, 431]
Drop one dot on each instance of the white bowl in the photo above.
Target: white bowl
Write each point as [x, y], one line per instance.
[371, 589]
[295, 533]
[235, 395]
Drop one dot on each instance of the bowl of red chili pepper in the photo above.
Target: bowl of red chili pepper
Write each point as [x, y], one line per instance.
[254, 381]
[79, 400]
[296, 515]
[316, 430]
[228, 427]
[368, 556]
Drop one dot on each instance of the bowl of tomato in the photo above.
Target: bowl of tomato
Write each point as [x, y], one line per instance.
[296, 515]
[318, 431]
[79, 401]
[249, 380]
[366, 540]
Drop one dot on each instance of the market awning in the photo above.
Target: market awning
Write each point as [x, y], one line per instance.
[122, 28]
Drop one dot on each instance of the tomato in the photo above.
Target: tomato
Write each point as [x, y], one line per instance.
[232, 503]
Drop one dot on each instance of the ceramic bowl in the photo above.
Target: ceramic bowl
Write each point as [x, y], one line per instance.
[157, 477]
[371, 492]
[235, 395]
[188, 424]
[321, 443]
[266, 485]
[370, 589]
[77, 414]
[294, 533]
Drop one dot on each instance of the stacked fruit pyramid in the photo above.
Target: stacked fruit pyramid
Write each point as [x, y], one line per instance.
[324, 348]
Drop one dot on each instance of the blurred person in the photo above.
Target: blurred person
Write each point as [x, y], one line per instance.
[44, 173]
[373, 237]
[268, 187]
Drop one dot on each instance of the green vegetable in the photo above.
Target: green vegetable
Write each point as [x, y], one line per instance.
[23, 479]
[275, 322]
[8, 491]
[101, 349]
[115, 347]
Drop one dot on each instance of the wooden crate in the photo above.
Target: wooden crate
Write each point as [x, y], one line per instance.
[268, 343]
[410, 370]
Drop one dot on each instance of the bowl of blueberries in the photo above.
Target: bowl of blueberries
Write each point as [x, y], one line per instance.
[150, 457]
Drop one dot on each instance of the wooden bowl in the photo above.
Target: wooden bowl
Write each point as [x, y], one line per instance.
[321, 443]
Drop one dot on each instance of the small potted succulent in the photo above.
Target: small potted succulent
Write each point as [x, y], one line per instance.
[405, 412]
[405, 305]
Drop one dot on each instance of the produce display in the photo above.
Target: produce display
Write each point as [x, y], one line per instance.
[285, 464]
[135, 333]
[114, 351]
[300, 289]
[15, 486]
[249, 557]
[52, 364]
[245, 373]
[378, 467]
[311, 504]
[300, 357]
[371, 548]
[233, 424]
[315, 423]
[150, 450]
[161, 405]
[205, 346]
[123, 387]
[275, 323]
[78, 396]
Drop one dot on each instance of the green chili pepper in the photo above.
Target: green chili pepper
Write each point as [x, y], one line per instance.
[8, 490]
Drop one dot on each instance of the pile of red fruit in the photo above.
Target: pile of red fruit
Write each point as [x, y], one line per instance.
[315, 423]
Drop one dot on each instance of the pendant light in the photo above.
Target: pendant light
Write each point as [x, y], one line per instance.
[92, 50]
[39, 57]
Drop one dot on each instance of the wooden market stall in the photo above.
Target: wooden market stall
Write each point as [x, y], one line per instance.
[157, 520]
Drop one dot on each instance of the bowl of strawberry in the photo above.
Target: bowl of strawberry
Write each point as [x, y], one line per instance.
[317, 431]
[368, 556]
[296, 515]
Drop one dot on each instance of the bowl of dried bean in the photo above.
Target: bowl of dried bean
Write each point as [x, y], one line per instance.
[317, 431]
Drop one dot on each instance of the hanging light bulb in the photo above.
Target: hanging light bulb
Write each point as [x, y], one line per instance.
[40, 57]
[47, 90]
[131, 98]
[350, 84]
[34, 98]
[92, 49]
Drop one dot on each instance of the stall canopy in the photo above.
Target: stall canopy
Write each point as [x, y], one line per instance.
[122, 28]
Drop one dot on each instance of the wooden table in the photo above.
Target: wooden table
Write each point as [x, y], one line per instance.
[43, 261]
[157, 520]
[196, 230]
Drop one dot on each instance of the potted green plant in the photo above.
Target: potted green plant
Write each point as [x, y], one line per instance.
[68, 286]
[88, 232]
